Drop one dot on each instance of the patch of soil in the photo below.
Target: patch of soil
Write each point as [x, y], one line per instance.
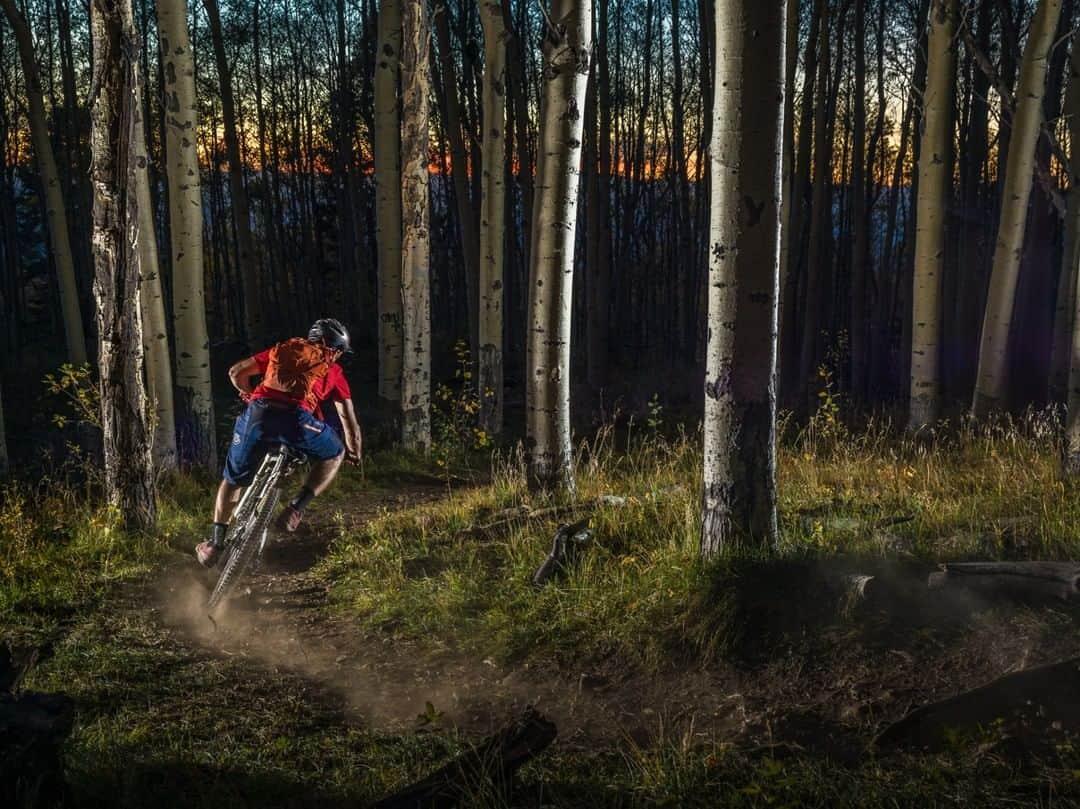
[825, 687]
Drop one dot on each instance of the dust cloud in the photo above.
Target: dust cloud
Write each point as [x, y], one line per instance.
[279, 623]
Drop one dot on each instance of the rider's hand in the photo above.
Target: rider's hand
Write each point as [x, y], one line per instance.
[352, 458]
[245, 397]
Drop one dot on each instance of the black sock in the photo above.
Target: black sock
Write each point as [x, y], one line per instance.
[217, 533]
[301, 500]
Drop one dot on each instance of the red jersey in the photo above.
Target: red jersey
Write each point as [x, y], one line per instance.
[332, 386]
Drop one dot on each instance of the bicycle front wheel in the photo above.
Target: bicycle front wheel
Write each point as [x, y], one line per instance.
[244, 549]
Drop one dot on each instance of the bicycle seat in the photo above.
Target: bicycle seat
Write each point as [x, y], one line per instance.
[290, 453]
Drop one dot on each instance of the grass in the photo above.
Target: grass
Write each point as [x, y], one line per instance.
[62, 553]
[640, 592]
[161, 723]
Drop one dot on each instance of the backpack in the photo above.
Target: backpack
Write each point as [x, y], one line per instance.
[296, 365]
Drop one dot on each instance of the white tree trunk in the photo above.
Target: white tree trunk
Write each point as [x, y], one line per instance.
[185, 229]
[739, 498]
[930, 217]
[567, 50]
[387, 148]
[991, 382]
[159, 377]
[55, 210]
[129, 474]
[492, 218]
[415, 279]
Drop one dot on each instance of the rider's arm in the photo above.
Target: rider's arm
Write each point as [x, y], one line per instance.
[350, 424]
[241, 373]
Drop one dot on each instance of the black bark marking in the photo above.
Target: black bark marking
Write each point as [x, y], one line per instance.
[753, 210]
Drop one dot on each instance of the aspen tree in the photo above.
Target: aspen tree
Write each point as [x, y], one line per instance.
[185, 232]
[598, 260]
[739, 498]
[934, 180]
[991, 380]
[129, 479]
[859, 321]
[792, 335]
[567, 48]
[788, 203]
[238, 198]
[450, 105]
[55, 209]
[1064, 309]
[1070, 281]
[159, 377]
[416, 247]
[387, 148]
[492, 218]
[813, 299]
[350, 264]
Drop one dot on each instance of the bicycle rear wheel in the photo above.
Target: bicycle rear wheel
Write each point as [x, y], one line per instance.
[244, 549]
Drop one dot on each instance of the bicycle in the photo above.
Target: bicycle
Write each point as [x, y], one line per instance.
[246, 537]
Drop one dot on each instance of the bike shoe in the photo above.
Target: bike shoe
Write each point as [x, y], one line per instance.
[208, 553]
[289, 519]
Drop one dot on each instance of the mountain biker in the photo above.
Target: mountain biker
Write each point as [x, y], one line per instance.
[298, 374]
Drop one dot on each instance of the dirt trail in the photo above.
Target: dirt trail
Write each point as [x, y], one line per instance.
[279, 621]
[830, 689]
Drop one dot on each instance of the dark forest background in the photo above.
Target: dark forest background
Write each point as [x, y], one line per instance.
[302, 75]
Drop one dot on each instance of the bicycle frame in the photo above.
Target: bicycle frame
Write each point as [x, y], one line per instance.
[252, 514]
[270, 470]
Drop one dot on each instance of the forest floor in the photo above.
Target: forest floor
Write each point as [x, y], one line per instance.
[400, 624]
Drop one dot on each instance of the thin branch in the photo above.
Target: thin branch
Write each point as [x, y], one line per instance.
[1009, 101]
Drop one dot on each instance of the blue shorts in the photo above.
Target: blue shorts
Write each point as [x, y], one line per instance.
[261, 426]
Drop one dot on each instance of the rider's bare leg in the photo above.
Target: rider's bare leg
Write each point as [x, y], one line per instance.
[228, 495]
[322, 474]
[320, 477]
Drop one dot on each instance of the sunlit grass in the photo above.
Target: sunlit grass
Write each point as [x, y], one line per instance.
[639, 590]
[61, 551]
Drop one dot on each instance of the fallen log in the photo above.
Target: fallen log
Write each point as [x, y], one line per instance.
[1024, 581]
[1030, 703]
[483, 773]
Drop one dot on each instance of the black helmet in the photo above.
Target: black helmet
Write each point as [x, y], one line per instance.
[330, 333]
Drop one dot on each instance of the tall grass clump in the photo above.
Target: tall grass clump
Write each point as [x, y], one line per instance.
[988, 488]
